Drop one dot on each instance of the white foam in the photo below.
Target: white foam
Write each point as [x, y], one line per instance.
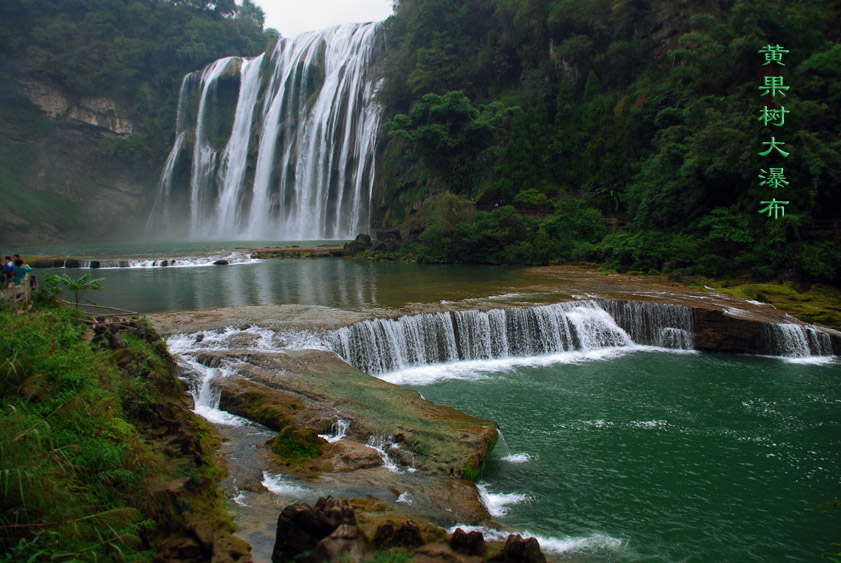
[405, 498]
[650, 424]
[240, 498]
[506, 296]
[558, 545]
[476, 370]
[498, 503]
[232, 258]
[808, 360]
[258, 339]
[517, 458]
[281, 485]
[380, 445]
[220, 417]
[338, 431]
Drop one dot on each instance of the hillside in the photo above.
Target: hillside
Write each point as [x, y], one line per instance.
[87, 105]
[626, 133]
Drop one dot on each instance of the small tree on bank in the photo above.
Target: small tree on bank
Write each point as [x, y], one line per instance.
[79, 287]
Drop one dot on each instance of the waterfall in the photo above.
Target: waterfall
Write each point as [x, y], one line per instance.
[654, 324]
[795, 341]
[278, 147]
[384, 345]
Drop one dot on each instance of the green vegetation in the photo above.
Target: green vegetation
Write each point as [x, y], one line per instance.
[79, 287]
[624, 133]
[820, 304]
[99, 458]
[135, 52]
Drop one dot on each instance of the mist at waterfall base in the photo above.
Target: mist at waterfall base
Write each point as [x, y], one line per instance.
[655, 456]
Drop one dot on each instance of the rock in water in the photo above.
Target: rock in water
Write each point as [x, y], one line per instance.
[518, 550]
[468, 544]
[360, 244]
[404, 534]
[329, 528]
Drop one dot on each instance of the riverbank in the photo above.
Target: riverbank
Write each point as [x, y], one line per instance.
[101, 455]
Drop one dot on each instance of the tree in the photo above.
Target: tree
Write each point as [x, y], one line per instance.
[450, 136]
[80, 286]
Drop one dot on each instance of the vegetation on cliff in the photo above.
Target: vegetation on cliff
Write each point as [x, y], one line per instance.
[135, 52]
[99, 457]
[62, 179]
[627, 133]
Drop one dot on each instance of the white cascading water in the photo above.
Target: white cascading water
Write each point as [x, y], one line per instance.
[299, 159]
[654, 324]
[796, 341]
[384, 345]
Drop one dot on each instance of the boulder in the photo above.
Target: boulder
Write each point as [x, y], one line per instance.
[345, 543]
[472, 543]
[360, 244]
[221, 263]
[518, 550]
[302, 528]
[403, 534]
[388, 241]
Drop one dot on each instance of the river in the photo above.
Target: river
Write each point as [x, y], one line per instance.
[639, 454]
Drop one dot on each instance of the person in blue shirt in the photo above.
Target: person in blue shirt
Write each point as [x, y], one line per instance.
[8, 273]
[21, 270]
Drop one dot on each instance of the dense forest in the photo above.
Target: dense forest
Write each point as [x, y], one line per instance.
[622, 132]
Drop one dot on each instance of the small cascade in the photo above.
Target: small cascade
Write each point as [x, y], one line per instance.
[206, 395]
[381, 446]
[795, 341]
[337, 431]
[502, 441]
[385, 345]
[654, 324]
[280, 146]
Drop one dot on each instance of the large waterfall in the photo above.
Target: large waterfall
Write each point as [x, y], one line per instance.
[277, 147]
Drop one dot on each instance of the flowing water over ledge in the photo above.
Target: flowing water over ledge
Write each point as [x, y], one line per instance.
[633, 448]
[616, 447]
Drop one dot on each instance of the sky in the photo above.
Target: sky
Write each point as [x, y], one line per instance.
[292, 17]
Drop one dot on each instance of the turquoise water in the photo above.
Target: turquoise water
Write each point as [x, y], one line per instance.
[655, 456]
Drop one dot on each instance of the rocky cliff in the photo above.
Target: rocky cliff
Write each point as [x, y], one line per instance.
[69, 172]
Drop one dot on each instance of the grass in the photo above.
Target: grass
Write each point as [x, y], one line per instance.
[820, 304]
[84, 461]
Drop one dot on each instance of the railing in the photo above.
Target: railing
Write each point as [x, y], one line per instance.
[104, 315]
[20, 295]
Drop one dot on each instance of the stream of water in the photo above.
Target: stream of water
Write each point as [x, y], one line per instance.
[611, 450]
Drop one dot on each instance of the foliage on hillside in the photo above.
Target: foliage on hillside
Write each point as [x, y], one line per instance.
[641, 115]
[99, 458]
[135, 52]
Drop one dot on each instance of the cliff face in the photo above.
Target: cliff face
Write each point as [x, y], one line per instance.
[68, 172]
[100, 113]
